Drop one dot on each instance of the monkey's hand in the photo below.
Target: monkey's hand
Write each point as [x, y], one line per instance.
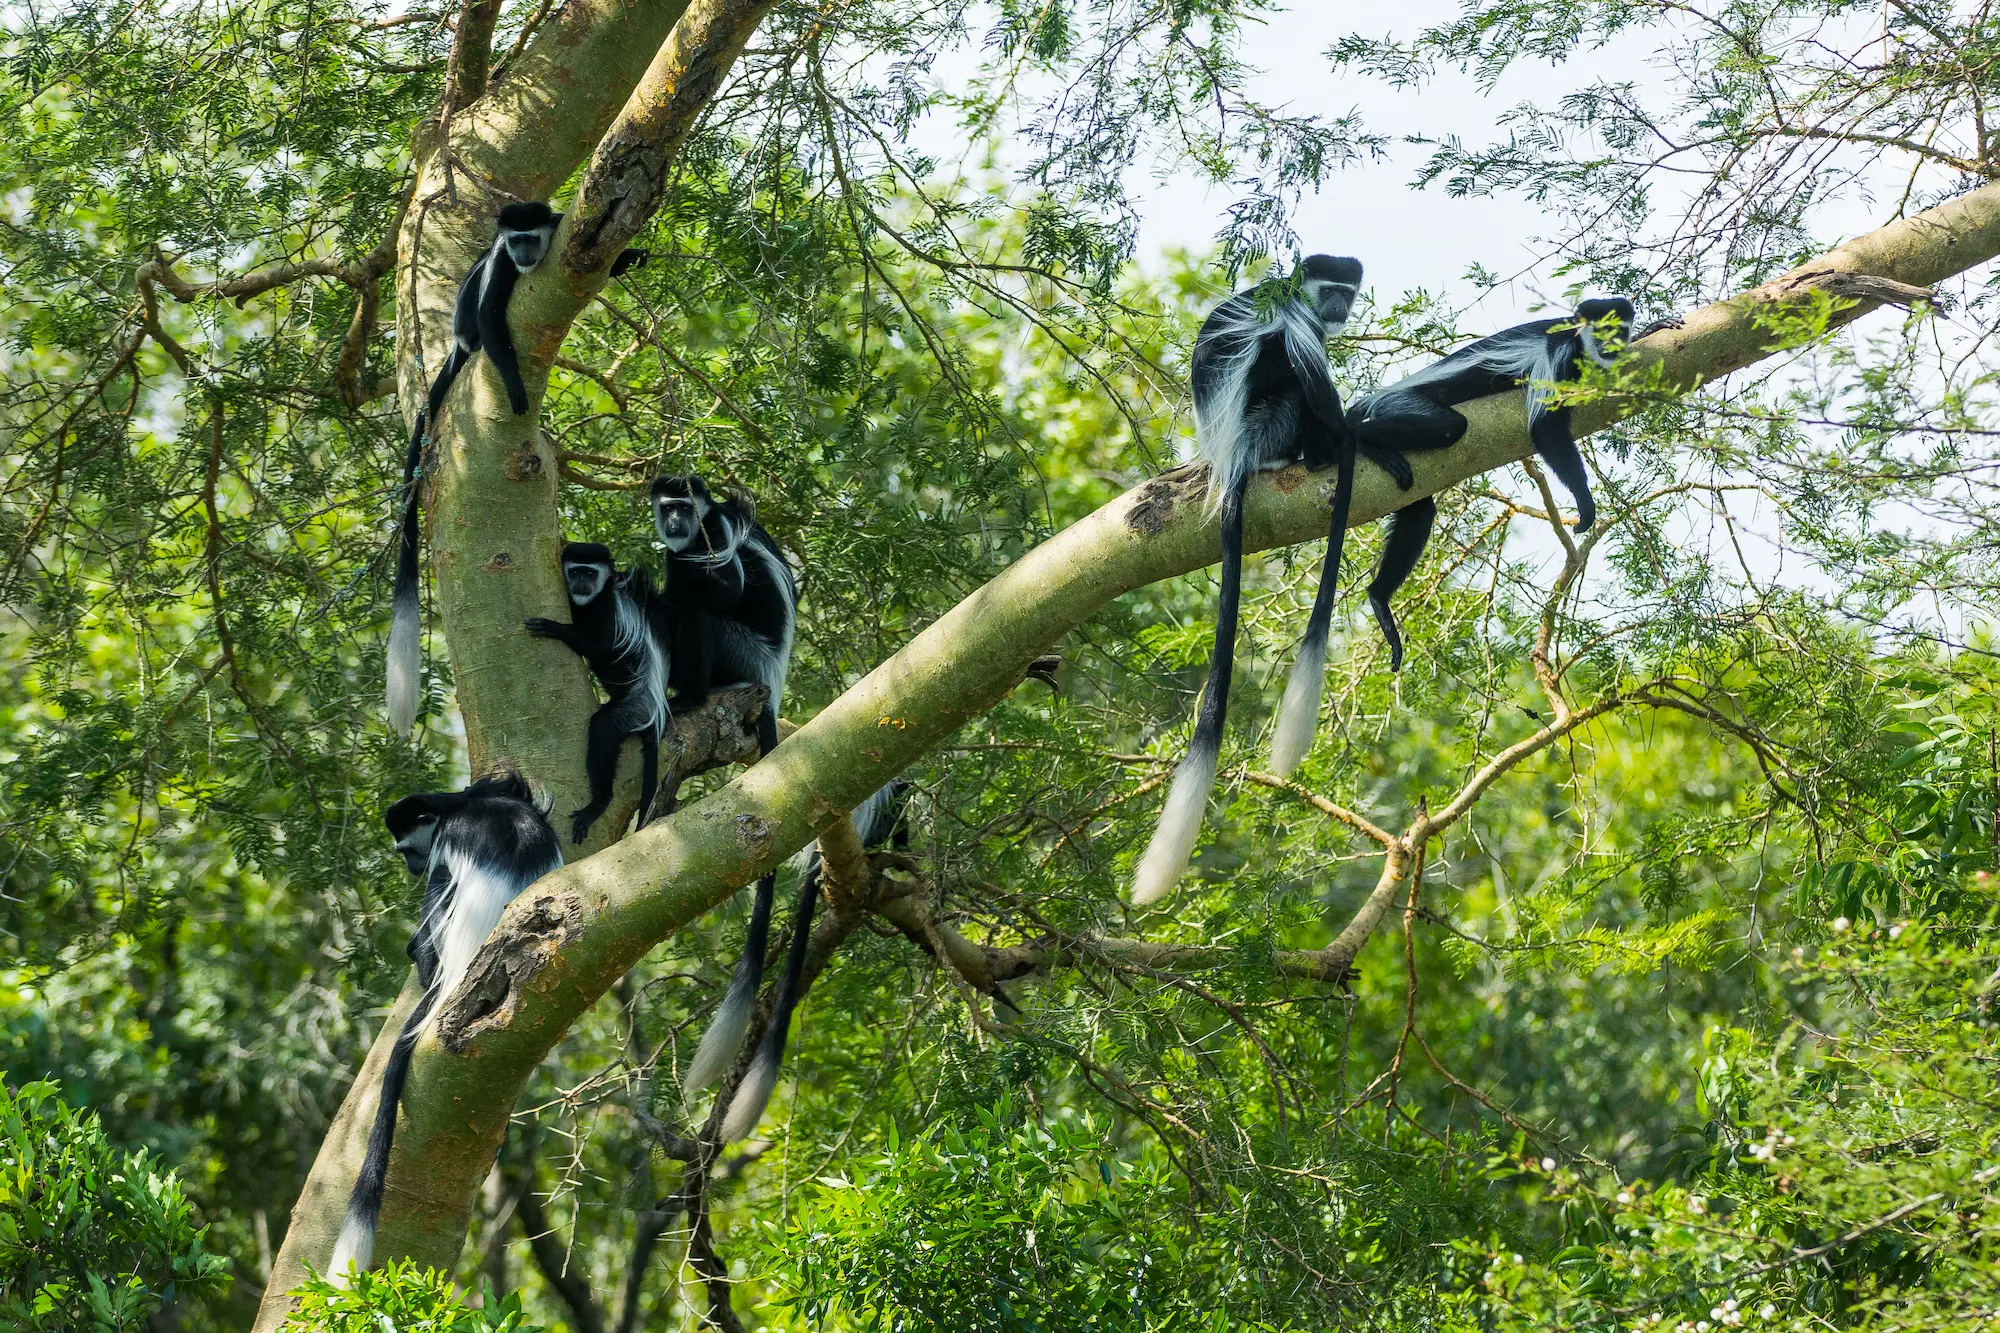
[549, 629]
[1659, 326]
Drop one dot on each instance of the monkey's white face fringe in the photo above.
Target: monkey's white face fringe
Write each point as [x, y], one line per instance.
[356, 1247]
[1298, 715]
[1180, 824]
[403, 653]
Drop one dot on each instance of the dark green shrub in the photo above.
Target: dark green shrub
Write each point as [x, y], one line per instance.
[90, 1237]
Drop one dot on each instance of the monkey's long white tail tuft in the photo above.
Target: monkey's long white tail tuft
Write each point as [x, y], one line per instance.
[725, 1034]
[1298, 715]
[752, 1095]
[356, 1246]
[404, 653]
[1180, 824]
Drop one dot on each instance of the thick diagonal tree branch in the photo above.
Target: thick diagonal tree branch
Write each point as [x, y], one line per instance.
[569, 938]
[628, 173]
[471, 53]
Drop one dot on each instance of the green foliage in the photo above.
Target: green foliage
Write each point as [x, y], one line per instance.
[1002, 1227]
[401, 1297]
[1841, 1175]
[999, 1222]
[91, 1238]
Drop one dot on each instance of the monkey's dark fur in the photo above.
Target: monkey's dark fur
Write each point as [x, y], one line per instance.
[733, 607]
[1263, 399]
[477, 849]
[617, 625]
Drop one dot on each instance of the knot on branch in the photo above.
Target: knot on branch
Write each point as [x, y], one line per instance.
[1154, 503]
[531, 934]
[724, 731]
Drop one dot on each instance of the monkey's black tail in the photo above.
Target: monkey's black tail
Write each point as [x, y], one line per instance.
[1298, 715]
[1180, 821]
[405, 626]
[356, 1244]
[732, 1018]
[649, 772]
[754, 1093]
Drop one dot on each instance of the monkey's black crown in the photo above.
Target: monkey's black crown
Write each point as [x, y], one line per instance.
[1332, 268]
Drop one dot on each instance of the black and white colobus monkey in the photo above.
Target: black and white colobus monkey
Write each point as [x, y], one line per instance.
[616, 626]
[1263, 400]
[731, 598]
[733, 607]
[478, 321]
[477, 848]
[1416, 414]
[879, 821]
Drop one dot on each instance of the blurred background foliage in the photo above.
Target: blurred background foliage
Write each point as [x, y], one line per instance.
[1690, 1022]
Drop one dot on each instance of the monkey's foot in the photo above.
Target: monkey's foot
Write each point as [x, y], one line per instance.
[1393, 463]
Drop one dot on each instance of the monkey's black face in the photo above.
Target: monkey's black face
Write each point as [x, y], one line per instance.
[587, 570]
[1604, 325]
[585, 582]
[680, 505]
[679, 521]
[413, 822]
[416, 847]
[526, 248]
[1330, 283]
[526, 230]
[1332, 302]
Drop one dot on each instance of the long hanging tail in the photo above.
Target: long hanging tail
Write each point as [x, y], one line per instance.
[754, 1093]
[1180, 822]
[649, 772]
[405, 626]
[732, 1019]
[356, 1244]
[1298, 715]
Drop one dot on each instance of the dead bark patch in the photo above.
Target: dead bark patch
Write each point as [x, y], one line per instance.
[527, 941]
[1153, 507]
[756, 834]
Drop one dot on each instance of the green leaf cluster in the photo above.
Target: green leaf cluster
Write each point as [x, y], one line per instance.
[400, 1297]
[91, 1238]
